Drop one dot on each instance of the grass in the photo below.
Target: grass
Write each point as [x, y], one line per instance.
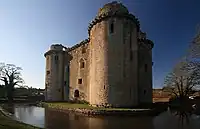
[85, 106]
[8, 123]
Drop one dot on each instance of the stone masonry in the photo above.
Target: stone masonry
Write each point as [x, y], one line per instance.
[113, 66]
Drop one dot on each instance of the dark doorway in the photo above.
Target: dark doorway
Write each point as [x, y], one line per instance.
[76, 93]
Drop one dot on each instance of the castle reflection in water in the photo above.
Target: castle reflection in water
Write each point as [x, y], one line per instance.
[59, 120]
[52, 119]
[166, 120]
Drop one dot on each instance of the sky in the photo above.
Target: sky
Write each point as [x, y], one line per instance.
[29, 27]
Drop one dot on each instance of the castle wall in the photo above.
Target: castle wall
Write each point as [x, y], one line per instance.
[54, 75]
[123, 64]
[76, 72]
[113, 77]
[98, 47]
[116, 63]
[66, 76]
[48, 81]
[109, 68]
[130, 63]
[145, 76]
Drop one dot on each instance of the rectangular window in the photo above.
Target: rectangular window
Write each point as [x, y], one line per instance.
[145, 67]
[79, 81]
[83, 50]
[112, 28]
[130, 42]
[82, 65]
[48, 72]
[145, 92]
[131, 55]
[56, 58]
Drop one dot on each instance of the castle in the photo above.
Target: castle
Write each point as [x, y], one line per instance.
[113, 66]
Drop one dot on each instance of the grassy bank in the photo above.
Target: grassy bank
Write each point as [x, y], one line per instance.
[86, 106]
[88, 110]
[8, 123]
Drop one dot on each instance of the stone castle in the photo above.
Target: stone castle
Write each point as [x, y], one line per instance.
[113, 66]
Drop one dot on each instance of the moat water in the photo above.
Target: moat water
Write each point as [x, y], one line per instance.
[51, 119]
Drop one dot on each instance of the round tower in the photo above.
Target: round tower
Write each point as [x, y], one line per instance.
[54, 79]
[113, 57]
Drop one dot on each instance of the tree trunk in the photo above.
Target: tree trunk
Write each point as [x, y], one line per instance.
[10, 95]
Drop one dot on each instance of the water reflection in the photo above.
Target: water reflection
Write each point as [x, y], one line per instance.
[166, 120]
[59, 120]
[186, 118]
[27, 114]
[52, 119]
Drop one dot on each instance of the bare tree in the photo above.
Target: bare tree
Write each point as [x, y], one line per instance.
[185, 77]
[10, 75]
[194, 47]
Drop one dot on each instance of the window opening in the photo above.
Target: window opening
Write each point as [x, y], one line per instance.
[112, 27]
[145, 67]
[80, 81]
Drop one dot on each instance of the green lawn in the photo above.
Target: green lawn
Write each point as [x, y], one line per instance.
[85, 106]
[7, 123]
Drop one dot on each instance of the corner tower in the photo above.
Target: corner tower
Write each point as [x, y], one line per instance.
[145, 69]
[54, 79]
[113, 55]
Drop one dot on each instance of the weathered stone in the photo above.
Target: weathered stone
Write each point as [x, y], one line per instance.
[105, 69]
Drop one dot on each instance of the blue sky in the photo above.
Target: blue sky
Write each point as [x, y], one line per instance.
[29, 27]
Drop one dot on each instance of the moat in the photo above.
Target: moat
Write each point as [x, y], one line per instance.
[51, 119]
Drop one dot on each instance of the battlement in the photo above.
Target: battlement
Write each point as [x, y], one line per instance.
[55, 48]
[58, 47]
[83, 42]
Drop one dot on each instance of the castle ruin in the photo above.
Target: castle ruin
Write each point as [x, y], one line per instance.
[113, 66]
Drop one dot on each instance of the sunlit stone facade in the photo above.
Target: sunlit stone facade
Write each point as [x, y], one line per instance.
[113, 66]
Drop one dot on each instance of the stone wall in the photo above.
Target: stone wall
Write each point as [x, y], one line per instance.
[130, 60]
[122, 70]
[79, 56]
[48, 80]
[98, 64]
[66, 76]
[145, 76]
[113, 77]
[54, 75]
[108, 71]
